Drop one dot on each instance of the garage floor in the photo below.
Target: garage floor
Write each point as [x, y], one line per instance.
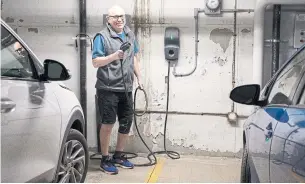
[187, 169]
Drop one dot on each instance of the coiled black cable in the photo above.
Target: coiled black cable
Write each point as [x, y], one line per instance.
[171, 154]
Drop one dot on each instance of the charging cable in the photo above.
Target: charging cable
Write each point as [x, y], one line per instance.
[172, 154]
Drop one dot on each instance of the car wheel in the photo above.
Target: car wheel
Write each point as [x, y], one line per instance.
[245, 168]
[74, 160]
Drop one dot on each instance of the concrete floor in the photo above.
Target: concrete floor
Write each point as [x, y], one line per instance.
[189, 169]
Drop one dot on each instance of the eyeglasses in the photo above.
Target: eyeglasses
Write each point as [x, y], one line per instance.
[116, 17]
[21, 51]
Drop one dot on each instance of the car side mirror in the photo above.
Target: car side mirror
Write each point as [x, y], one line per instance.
[246, 94]
[55, 71]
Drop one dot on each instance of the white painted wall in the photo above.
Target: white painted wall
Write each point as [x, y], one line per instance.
[207, 90]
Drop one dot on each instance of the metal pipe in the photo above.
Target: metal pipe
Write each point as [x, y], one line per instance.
[196, 13]
[234, 53]
[287, 9]
[231, 10]
[189, 113]
[276, 29]
[258, 44]
[237, 10]
[83, 58]
[196, 17]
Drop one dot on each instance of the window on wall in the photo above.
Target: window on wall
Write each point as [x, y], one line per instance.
[15, 60]
[283, 89]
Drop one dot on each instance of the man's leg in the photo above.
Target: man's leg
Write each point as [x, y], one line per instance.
[125, 115]
[105, 133]
[121, 141]
[108, 102]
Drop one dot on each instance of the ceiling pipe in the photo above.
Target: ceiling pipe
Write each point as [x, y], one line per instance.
[258, 44]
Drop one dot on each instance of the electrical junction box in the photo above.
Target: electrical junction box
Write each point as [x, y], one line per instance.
[299, 31]
[213, 7]
[171, 43]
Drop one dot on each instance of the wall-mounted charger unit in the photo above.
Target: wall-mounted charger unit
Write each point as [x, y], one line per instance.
[171, 43]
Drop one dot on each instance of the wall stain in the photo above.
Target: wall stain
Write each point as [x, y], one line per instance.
[153, 136]
[9, 20]
[220, 61]
[35, 30]
[141, 18]
[222, 37]
[21, 20]
[156, 144]
[72, 20]
[145, 18]
[161, 13]
[135, 18]
[245, 30]
[159, 118]
[204, 71]
[192, 150]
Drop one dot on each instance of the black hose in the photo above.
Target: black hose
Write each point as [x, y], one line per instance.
[171, 154]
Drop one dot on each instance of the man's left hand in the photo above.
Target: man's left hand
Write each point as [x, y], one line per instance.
[140, 84]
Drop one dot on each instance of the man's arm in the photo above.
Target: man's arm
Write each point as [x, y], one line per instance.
[104, 60]
[137, 71]
[98, 54]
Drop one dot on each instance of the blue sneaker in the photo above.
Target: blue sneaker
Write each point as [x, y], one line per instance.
[107, 166]
[121, 161]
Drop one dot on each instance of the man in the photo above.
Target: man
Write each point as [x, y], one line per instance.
[110, 87]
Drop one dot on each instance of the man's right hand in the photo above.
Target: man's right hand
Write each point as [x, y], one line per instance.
[102, 61]
[118, 55]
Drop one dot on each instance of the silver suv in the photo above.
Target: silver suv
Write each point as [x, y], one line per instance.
[42, 122]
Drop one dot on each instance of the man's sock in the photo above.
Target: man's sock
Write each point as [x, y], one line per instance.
[104, 157]
[117, 154]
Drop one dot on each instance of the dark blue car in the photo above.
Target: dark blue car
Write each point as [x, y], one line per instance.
[274, 135]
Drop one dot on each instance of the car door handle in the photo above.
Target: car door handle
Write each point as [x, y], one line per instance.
[269, 131]
[269, 127]
[7, 105]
